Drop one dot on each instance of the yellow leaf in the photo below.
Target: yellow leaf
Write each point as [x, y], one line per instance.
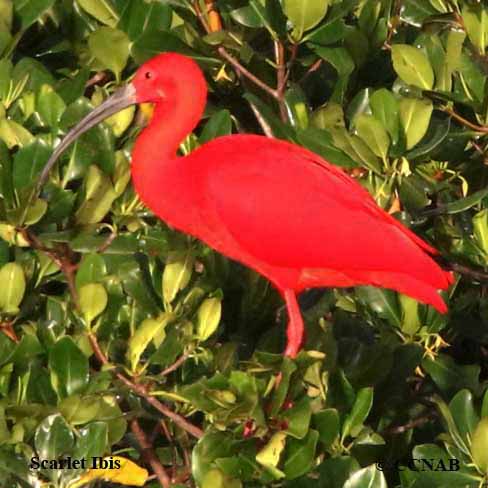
[127, 473]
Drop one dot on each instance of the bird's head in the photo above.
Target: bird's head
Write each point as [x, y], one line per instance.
[164, 79]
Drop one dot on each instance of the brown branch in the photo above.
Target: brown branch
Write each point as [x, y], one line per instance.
[245, 72]
[419, 421]
[148, 454]
[293, 55]
[467, 123]
[96, 79]
[228, 57]
[175, 365]
[280, 78]
[467, 271]
[268, 132]
[106, 243]
[61, 260]
[315, 66]
[142, 391]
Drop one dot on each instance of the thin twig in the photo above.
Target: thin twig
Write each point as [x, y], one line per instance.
[466, 271]
[148, 454]
[245, 72]
[268, 132]
[419, 421]
[175, 365]
[280, 78]
[65, 265]
[467, 123]
[226, 55]
[142, 391]
[107, 242]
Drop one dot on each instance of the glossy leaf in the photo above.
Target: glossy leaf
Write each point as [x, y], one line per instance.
[53, 438]
[68, 367]
[13, 289]
[369, 477]
[374, 134]
[304, 14]
[149, 330]
[93, 300]
[412, 66]
[415, 117]
[209, 314]
[110, 47]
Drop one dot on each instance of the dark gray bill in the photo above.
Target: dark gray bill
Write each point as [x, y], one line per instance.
[119, 100]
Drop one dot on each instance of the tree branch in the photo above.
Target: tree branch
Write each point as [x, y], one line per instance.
[478, 128]
[62, 261]
[148, 454]
[142, 391]
[175, 365]
[280, 78]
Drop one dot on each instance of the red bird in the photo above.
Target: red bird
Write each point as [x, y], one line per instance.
[274, 206]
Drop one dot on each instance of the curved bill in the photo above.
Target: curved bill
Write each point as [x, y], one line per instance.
[119, 100]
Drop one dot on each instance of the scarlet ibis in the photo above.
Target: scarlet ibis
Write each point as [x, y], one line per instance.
[269, 204]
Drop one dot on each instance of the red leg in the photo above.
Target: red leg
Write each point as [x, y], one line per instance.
[295, 330]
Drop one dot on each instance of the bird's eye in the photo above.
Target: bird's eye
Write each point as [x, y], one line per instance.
[148, 75]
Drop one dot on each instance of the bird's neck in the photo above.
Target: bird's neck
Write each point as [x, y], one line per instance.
[161, 177]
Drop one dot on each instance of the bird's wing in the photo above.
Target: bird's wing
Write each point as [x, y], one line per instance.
[289, 208]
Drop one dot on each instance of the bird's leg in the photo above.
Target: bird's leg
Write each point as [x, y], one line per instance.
[295, 330]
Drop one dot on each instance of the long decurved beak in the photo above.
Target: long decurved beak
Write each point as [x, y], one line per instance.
[119, 100]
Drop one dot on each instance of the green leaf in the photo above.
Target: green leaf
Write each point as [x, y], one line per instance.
[327, 423]
[92, 441]
[450, 376]
[480, 228]
[93, 300]
[463, 413]
[53, 438]
[412, 66]
[29, 11]
[373, 133]
[385, 109]
[298, 418]
[300, 455]
[464, 204]
[410, 314]
[50, 106]
[220, 124]
[211, 446]
[415, 117]
[111, 48]
[269, 455]
[13, 287]
[369, 477]
[92, 269]
[102, 10]
[99, 196]
[304, 14]
[359, 412]
[475, 18]
[68, 367]
[334, 471]
[208, 314]
[149, 330]
[383, 302]
[177, 274]
[139, 16]
[296, 105]
[29, 162]
[79, 410]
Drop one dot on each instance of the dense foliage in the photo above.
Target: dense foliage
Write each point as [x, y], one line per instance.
[122, 337]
